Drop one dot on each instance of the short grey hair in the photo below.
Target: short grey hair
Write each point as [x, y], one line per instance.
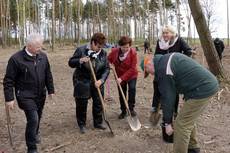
[34, 38]
[170, 29]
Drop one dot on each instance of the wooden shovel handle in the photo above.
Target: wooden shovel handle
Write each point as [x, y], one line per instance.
[122, 93]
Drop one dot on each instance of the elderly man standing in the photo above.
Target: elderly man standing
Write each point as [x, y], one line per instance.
[28, 74]
[177, 73]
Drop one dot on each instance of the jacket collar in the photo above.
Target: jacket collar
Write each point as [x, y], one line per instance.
[29, 57]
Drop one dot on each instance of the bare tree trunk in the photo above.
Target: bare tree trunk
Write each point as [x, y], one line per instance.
[19, 30]
[53, 24]
[98, 17]
[160, 12]
[228, 22]
[205, 39]
[178, 16]
[78, 22]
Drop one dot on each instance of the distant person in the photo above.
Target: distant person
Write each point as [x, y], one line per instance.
[146, 45]
[84, 85]
[219, 45]
[124, 59]
[28, 74]
[177, 73]
[169, 42]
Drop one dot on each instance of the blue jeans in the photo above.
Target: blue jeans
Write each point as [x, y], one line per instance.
[131, 94]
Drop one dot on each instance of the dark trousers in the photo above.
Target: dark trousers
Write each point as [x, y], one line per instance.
[81, 108]
[33, 118]
[131, 95]
[156, 98]
[146, 49]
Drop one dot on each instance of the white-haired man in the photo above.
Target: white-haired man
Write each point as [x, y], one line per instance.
[28, 74]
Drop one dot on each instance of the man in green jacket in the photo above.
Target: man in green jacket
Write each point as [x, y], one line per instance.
[177, 73]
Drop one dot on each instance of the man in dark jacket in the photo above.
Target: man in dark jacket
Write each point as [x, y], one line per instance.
[219, 45]
[177, 73]
[146, 46]
[84, 86]
[28, 74]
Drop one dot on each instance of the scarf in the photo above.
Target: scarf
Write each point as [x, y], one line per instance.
[165, 45]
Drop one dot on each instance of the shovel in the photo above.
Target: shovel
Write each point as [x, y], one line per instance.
[101, 98]
[155, 116]
[134, 122]
[9, 128]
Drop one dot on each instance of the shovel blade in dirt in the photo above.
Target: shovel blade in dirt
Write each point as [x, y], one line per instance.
[134, 123]
[155, 118]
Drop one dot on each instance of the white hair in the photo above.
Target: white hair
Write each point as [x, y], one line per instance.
[34, 38]
[170, 29]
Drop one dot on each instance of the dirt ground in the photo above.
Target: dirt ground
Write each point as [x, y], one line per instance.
[58, 125]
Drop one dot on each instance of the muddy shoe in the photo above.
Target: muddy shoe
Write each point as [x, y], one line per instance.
[82, 129]
[100, 127]
[133, 113]
[194, 150]
[122, 115]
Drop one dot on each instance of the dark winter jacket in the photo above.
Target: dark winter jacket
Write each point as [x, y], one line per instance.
[29, 77]
[127, 69]
[180, 46]
[177, 73]
[82, 78]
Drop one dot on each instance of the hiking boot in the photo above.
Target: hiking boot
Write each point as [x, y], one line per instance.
[122, 115]
[82, 129]
[100, 127]
[194, 150]
[133, 113]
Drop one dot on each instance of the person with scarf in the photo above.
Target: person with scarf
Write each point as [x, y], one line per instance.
[84, 86]
[168, 43]
[124, 59]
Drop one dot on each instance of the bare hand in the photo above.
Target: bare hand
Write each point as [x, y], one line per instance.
[84, 59]
[98, 83]
[10, 105]
[119, 80]
[169, 129]
[193, 52]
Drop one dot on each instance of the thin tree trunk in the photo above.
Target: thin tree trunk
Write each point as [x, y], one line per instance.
[78, 22]
[228, 22]
[53, 24]
[205, 39]
[178, 16]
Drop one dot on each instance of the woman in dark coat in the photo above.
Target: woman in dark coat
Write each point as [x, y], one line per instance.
[168, 43]
[84, 86]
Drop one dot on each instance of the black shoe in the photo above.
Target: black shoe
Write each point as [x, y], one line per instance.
[100, 126]
[38, 139]
[133, 113]
[32, 151]
[82, 129]
[194, 150]
[122, 115]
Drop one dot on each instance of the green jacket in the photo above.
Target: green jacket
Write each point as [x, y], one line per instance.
[177, 73]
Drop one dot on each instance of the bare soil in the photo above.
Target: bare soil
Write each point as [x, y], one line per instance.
[59, 129]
